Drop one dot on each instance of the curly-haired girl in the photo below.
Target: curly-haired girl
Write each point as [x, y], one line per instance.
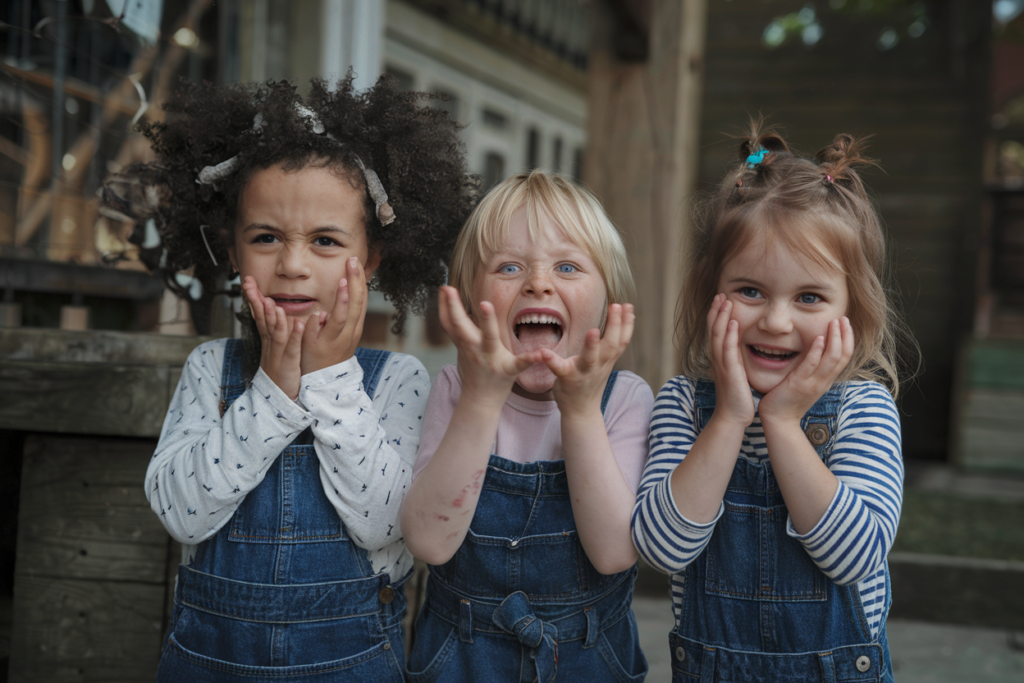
[283, 476]
[773, 488]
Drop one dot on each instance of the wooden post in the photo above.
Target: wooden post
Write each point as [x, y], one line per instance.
[642, 160]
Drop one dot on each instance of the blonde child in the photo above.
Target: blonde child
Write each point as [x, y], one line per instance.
[532, 450]
[773, 489]
[284, 458]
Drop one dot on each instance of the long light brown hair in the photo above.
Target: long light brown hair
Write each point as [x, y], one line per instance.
[820, 209]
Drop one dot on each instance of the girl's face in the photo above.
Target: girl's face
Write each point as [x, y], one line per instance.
[782, 300]
[295, 232]
[546, 293]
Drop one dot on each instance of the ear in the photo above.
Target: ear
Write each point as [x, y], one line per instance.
[372, 261]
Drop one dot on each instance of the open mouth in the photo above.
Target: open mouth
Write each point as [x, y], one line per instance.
[538, 331]
[771, 354]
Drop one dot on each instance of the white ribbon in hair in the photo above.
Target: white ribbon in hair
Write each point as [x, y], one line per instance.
[385, 214]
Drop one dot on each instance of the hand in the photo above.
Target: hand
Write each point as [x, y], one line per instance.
[580, 380]
[332, 338]
[488, 369]
[280, 339]
[807, 382]
[733, 400]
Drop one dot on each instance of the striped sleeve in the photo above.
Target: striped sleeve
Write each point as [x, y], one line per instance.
[662, 535]
[852, 539]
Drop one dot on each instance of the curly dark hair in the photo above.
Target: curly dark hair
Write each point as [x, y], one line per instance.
[414, 150]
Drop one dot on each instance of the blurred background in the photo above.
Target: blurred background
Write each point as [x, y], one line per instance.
[637, 99]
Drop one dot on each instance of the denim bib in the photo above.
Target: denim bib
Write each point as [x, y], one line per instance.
[755, 607]
[281, 592]
[519, 600]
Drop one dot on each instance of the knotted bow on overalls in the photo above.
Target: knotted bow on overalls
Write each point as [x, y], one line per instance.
[520, 601]
[755, 607]
[281, 592]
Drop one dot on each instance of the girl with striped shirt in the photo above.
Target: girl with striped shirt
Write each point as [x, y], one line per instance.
[773, 488]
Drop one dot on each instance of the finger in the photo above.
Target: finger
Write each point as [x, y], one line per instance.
[814, 356]
[357, 297]
[525, 360]
[590, 357]
[613, 325]
[459, 323]
[721, 326]
[292, 350]
[849, 344]
[312, 331]
[256, 306]
[629, 321]
[716, 304]
[558, 365]
[339, 312]
[489, 326]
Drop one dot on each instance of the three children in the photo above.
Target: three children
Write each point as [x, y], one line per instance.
[773, 487]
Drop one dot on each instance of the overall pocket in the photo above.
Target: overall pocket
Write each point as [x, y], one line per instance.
[750, 557]
[546, 565]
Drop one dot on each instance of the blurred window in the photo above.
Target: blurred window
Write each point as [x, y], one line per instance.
[494, 169]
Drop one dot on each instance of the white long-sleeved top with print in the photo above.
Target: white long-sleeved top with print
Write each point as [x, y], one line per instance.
[205, 464]
[849, 543]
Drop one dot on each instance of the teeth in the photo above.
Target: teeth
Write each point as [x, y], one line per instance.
[538, 319]
[772, 352]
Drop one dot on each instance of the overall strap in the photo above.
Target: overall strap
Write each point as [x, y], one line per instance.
[608, 390]
[372, 361]
[232, 383]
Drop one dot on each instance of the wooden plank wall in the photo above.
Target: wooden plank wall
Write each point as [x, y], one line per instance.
[924, 101]
[90, 588]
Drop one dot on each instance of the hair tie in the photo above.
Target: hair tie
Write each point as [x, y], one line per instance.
[754, 159]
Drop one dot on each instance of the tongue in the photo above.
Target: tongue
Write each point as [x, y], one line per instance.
[534, 337]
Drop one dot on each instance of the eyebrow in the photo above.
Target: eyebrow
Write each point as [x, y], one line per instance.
[330, 229]
[816, 286]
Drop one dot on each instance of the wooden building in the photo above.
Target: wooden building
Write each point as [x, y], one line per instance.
[666, 83]
[660, 127]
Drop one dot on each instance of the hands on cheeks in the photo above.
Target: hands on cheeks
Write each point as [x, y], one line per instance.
[292, 347]
[807, 382]
[335, 337]
[486, 367]
[580, 380]
[733, 399]
[827, 357]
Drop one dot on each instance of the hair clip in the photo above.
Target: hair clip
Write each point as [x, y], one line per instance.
[754, 159]
[828, 178]
[209, 175]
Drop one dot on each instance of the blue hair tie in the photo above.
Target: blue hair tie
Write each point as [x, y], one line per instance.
[754, 159]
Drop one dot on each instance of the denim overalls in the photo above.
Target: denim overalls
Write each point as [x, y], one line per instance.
[520, 601]
[281, 592]
[754, 606]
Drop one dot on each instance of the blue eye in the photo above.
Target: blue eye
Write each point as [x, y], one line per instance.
[750, 292]
[567, 268]
[508, 269]
[809, 299]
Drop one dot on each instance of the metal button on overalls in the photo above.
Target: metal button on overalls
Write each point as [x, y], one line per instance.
[863, 663]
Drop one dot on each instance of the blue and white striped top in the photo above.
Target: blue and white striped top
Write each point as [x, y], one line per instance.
[851, 540]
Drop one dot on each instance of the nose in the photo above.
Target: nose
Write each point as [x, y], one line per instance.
[776, 319]
[293, 261]
[538, 282]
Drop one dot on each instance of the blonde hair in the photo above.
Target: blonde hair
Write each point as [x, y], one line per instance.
[818, 208]
[575, 210]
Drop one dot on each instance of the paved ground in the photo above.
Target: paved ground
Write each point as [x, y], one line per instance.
[922, 652]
